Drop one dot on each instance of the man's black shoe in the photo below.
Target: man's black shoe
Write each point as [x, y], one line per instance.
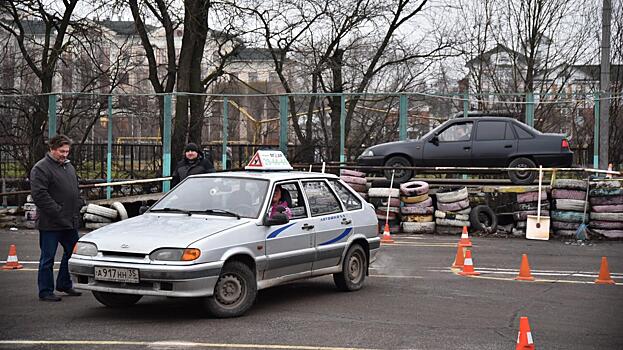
[51, 297]
[71, 292]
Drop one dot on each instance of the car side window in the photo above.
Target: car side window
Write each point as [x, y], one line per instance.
[490, 130]
[291, 193]
[521, 132]
[510, 135]
[456, 132]
[346, 196]
[321, 199]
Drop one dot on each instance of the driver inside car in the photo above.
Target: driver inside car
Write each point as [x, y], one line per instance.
[279, 200]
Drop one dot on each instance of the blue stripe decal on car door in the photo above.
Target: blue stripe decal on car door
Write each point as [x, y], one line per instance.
[278, 231]
[338, 238]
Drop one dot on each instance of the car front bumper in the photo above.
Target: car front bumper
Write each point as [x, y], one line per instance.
[364, 162]
[158, 280]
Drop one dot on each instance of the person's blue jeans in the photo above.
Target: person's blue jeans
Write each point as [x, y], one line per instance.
[48, 242]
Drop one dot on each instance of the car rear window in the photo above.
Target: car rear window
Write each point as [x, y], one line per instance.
[348, 199]
[490, 130]
[522, 133]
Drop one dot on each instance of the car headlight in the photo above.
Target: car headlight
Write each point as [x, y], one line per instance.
[367, 153]
[85, 248]
[175, 254]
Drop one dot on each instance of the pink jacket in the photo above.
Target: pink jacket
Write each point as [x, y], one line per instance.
[273, 209]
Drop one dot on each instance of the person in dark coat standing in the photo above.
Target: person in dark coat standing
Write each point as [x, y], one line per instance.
[193, 163]
[54, 189]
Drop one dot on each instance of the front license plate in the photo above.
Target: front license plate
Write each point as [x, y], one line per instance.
[115, 274]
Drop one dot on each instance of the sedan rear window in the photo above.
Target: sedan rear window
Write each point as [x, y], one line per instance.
[522, 133]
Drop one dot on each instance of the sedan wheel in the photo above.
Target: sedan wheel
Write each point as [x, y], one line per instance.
[400, 175]
[234, 292]
[353, 270]
[520, 177]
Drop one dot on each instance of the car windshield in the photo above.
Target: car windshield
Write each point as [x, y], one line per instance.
[222, 196]
[433, 130]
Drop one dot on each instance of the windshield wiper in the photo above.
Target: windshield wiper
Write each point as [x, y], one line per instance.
[221, 211]
[172, 210]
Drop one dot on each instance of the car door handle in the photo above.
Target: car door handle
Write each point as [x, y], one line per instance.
[307, 227]
[467, 148]
[508, 146]
[346, 222]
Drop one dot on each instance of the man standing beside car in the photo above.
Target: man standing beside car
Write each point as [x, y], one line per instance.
[54, 189]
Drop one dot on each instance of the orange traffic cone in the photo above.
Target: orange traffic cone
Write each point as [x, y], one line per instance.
[459, 260]
[524, 270]
[524, 338]
[604, 273]
[465, 241]
[387, 237]
[11, 261]
[468, 265]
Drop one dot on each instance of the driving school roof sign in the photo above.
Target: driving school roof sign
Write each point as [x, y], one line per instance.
[268, 160]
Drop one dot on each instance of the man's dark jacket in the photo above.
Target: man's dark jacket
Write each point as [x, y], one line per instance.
[54, 188]
[186, 167]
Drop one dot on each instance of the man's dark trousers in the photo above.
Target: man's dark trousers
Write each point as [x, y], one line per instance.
[48, 242]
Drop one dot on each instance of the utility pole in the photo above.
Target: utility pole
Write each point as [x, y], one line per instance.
[604, 86]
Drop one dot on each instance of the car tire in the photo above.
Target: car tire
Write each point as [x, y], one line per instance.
[347, 172]
[237, 277]
[428, 202]
[354, 268]
[607, 216]
[568, 216]
[609, 233]
[418, 227]
[483, 219]
[615, 208]
[452, 196]
[605, 192]
[118, 206]
[608, 225]
[522, 177]
[417, 210]
[95, 225]
[384, 192]
[417, 218]
[606, 200]
[451, 222]
[570, 204]
[415, 199]
[101, 211]
[561, 225]
[354, 180]
[400, 175]
[454, 206]
[605, 184]
[570, 184]
[116, 300]
[568, 194]
[440, 214]
[414, 188]
[88, 217]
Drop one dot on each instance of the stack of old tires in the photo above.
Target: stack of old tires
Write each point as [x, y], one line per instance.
[30, 213]
[527, 204]
[606, 198]
[568, 206]
[378, 197]
[453, 210]
[417, 208]
[97, 216]
[356, 180]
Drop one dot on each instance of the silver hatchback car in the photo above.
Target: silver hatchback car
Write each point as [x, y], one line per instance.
[224, 236]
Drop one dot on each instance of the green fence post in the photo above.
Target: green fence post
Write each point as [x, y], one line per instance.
[530, 109]
[225, 133]
[465, 104]
[51, 115]
[342, 128]
[596, 133]
[166, 143]
[109, 149]
[283, 125]
[403, 117]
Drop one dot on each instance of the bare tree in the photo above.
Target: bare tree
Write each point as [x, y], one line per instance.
[41, 54]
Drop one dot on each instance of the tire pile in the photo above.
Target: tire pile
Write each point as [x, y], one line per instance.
[527, 204]
[568, 202]
[30, 213]
[97, 216]
[417, 208]
[356, 180]
[453, 210]
[606, 217]
[378, 197]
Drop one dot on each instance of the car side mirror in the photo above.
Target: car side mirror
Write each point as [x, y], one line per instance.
[434, 140]
[277, 219]
[143, 209]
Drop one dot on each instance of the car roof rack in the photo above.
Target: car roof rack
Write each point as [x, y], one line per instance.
[476, 114]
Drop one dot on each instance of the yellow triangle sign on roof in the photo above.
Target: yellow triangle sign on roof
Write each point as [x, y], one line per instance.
[268, 160]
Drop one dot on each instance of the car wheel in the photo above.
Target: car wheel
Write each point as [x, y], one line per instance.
[353, 270]
[522, 177]
[234, 292]
[400, 175]
[116, 300]
[483, 219]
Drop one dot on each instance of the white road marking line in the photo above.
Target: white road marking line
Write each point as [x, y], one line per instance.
[157, 344]
[395, 276]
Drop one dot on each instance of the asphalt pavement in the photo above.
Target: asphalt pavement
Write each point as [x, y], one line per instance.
[411, 300]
